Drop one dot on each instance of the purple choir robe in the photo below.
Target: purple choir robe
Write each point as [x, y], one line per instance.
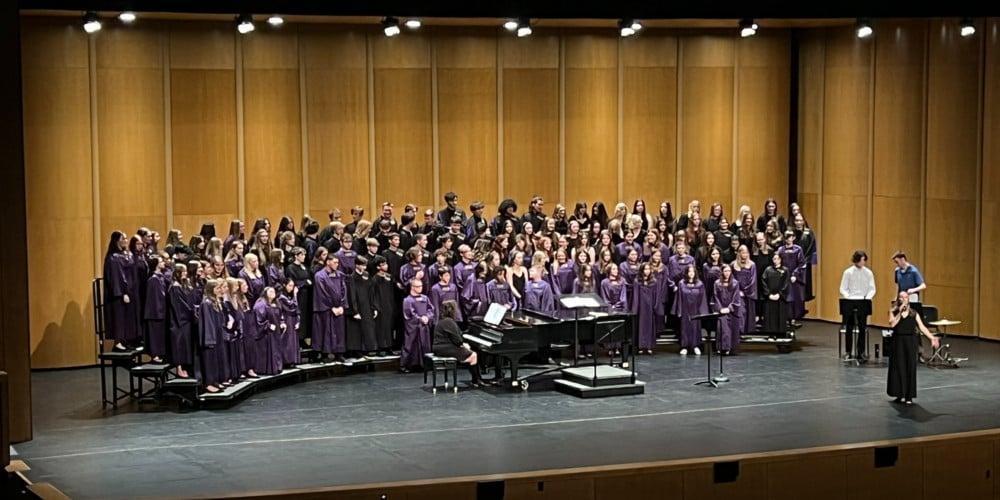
[347, 258]
[255, 285]
[647, 304]
[234, 266]
[408, 272]
[623, 249]
[579, 288]
[628, 272]
[155, 315]
[275, 277]
[613, 292]
[329, 291]
[676, 266]
[441, 293]
[267, 358]
[564, 278]
[181, 324]
[690, 301]
[460, 275]
[709, 275]
[500, 293]
[538, 296]
[418, 335]
[475, 300]
[727, 336]
[235, 340]
[289, 345]
[212, 340]
[122, 321]
[747, 279]
[432, 273]
[793, 258]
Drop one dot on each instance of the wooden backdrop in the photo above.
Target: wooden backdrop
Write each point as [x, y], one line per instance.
[897, 152]
[173, 124]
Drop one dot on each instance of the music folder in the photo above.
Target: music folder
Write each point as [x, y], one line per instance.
[494, 315]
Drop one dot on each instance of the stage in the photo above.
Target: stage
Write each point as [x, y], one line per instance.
[384, 426]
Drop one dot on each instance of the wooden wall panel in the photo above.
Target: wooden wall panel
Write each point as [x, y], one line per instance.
[272, 126]
[530, 119]
[467, 118]
[638, 485]
[763, 79]
[822, 476]
[59, 193]
[751, 484]
[846, 130]
[990, 236]
[337, 120]
[706, 120]
[953, 106]
[809, 178]
[203, 126]
[131, 143]
[557, 489]
[591, 118]
[897, 134]
[649, 119]
[865, 482]
[403, 129]
[968, 467]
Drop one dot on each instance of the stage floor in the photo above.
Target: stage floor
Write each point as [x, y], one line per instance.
[384, 426]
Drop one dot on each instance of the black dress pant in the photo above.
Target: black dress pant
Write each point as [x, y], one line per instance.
[862, 334]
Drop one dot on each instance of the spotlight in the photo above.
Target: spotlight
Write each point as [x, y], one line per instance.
[510, 25]
[390, 26]
[863, 28]
[275, 20]
[967, 28]
[625, 28]
[127, 16]
[748, 28]
[244, 24]
[91, 24]
[523, 28]
[636, 25]
[413, 23]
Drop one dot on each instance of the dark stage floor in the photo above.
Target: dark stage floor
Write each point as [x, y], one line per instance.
[385, 426]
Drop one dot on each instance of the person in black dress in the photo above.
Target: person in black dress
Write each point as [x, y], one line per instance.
[906, 325]
[774, 283]
[448, 341]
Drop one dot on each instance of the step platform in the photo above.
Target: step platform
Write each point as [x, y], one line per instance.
[581, 382]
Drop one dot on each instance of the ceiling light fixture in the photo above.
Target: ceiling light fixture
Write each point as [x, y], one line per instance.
[863, 28]
[91, 24]
[413, 23]
[127, 16]
[390, 26]
[523, 28]
[625, 28]
[275, 20]
[510, 25]
[748, 28]
[244, 24]
[967, 28]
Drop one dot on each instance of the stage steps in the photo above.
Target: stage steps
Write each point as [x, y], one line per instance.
[597, 382]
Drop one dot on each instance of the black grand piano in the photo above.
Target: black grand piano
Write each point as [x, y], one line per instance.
[522, 334]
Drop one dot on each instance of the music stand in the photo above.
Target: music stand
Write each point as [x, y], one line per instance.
[855, 308]
[575, 302]
[701, 320]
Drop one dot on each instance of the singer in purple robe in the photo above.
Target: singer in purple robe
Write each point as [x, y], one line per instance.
[498, 290]
[270, 326]
[413, 268]
[121, 295]
[181, 321]
[475, 300]
[155, 311]
[690, 301]
[236, 306]
[444, 290]
[678, 263]
[727, 302]
[418, 314]
[647, 304]
[288, 302]
[252, 275]
[329, 305]
[613, 289]
[745, 271]
[794, 259]
[212, 326]
[538, 294]
[346, 256]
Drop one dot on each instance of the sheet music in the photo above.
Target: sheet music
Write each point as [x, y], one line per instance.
[579, 301]
[495, 314]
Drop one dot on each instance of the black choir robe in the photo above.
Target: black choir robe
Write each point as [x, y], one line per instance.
[360, 314]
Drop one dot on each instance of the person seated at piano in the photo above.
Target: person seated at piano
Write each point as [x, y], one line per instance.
[418, 315]
[475, 300]
[689, 302]
[538, 294]
[448, 341]
[498, 290]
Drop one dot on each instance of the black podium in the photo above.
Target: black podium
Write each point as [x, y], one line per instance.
[854, 309]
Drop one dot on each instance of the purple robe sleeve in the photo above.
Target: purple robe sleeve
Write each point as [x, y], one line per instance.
[156, 299]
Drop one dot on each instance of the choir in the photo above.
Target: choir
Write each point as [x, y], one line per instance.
[226, 309]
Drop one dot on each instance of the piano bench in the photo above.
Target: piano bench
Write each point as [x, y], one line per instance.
[434, 363]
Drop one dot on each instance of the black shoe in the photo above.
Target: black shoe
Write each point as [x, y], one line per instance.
[404, 370]
[897, 400]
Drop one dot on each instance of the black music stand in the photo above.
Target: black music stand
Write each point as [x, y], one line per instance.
[612, 329]
[575, 302]
[709, 380]
[855, 308]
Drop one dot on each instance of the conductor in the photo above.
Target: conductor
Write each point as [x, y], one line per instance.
[857, 283]
[906, 325]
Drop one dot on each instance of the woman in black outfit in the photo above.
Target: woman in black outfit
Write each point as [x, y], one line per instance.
[906, 324]
[448, 341]
[774, 284]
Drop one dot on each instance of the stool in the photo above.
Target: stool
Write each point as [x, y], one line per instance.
[434, 363]
[115, 360]
[154, 373]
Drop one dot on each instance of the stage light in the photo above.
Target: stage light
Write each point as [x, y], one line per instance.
[390, 26]
[863, 28]
[748, 28]
[523, 28]
[91, 24]
[244, 24]
[510, 25]
[625, 28]
[636, 26]
[967, 28]
[275, 20]
[127, 16]
[413, 23]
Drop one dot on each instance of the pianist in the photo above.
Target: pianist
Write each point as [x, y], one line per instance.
[448, 341]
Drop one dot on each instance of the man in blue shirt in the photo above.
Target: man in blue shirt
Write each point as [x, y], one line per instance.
[908, 277]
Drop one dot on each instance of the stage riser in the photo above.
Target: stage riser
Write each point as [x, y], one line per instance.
[586, 392]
